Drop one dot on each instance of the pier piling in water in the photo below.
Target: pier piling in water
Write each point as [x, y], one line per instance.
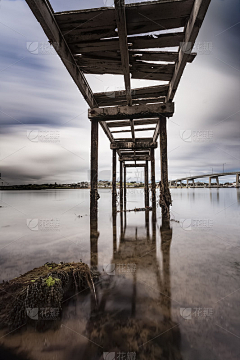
[114, 185]
[153, 180]
[146, 185]
[165, 196]
[94, 171]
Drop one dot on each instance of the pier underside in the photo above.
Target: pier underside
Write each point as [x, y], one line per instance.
[148, 41]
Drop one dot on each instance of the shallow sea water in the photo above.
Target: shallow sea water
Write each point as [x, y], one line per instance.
[168, 291]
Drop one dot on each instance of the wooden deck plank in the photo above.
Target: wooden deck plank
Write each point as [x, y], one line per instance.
[135, 42]
[93, 24]
[138, 93]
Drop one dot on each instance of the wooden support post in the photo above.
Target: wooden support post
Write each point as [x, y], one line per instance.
[121, 182]
[114, 229]
[153, 181]
[146, 185]
[237, 180]
[147, 223]
[121, 225]
[166, 239]
[125, 188]
[94, 172]
[94, 234]
[165, 196]
[114, 187]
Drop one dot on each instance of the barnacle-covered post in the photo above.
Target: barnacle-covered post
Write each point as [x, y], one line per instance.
[165, 196]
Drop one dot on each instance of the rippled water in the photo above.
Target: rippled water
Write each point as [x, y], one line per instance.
[169, 291]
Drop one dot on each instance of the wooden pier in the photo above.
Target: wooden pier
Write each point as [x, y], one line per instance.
[117, 41]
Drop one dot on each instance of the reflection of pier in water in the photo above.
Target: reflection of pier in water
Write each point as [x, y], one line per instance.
[134, 306]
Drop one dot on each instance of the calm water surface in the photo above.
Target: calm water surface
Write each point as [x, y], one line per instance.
[168, 292]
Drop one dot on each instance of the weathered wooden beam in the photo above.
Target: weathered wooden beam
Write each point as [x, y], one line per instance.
[191, 31]
[152, 71]
[110, 97]
[135, 158]
[136, 122]
[123, 43]
[156, 132]
[148, 55]
[114, 58]
[132, 145]
[115, 101]
[139, 69]
[135, 42]
[135, 165]
[136, 140]
[107, 131]
[129, 153]
[155, 75]
[120, 131]
[45, 16]
[141, 129]
[136, 111]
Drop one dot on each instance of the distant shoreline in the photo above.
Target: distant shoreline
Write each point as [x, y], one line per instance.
[109, 188]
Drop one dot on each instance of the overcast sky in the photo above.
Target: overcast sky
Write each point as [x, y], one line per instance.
[38, 97]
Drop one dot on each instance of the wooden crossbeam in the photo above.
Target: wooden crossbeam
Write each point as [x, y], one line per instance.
[191, 31]
[136, 122]
[133, 145]
[130, 153]
[141, 129]
[139, 69]
[107, 131]
[45, 16]
[135, 42]
[135, 165]
[135, 158]
[156, 132]
[148, 55]
[114, 58]
[137, 139]
[136, 112]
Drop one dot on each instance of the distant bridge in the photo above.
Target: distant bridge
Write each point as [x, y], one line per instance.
[210, 177]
